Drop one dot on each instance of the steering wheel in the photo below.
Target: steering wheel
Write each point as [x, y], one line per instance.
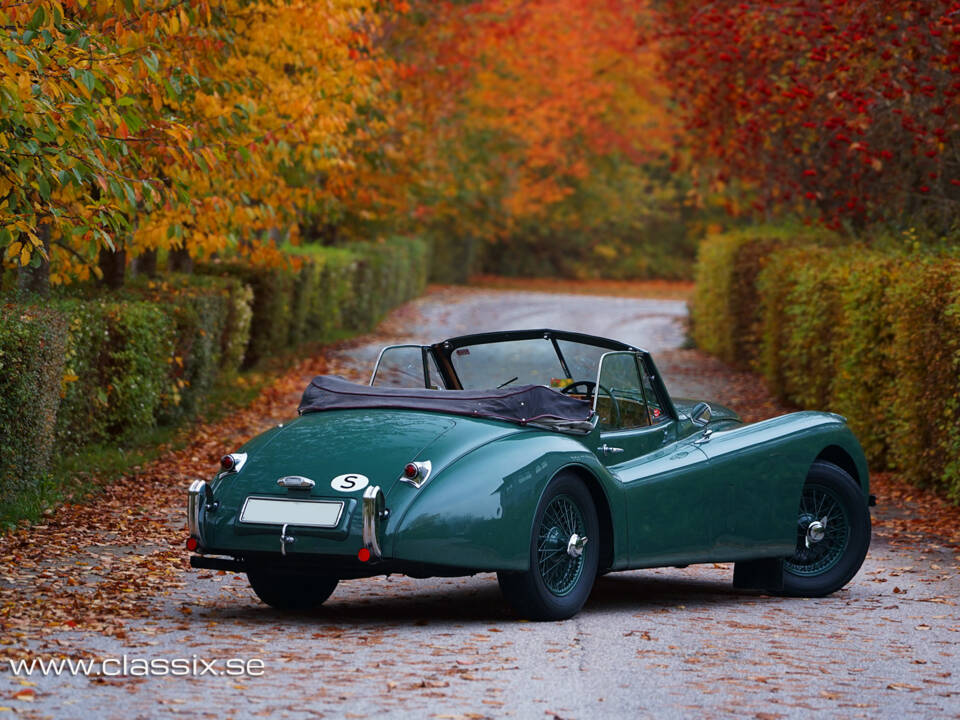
[590, 386]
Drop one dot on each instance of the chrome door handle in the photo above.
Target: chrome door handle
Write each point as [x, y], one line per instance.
[607, 449]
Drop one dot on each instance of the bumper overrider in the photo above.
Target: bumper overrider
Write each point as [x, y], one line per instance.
[200, 500]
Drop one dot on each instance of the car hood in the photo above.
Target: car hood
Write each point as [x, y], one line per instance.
[374, 443]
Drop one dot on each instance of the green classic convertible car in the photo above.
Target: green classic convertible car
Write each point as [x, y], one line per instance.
[548, 457]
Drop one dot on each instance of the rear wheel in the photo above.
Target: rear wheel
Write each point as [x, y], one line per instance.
[564, 554]
[833, 534]
[287, 591]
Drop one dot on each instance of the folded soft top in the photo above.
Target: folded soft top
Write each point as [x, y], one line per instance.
[524, 404]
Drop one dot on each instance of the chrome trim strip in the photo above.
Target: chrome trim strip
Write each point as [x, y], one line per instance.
[282, 499]
[424, 467]
[373, 505]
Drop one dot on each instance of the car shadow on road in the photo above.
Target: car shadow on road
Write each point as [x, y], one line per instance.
[479, 601]
[643, 590]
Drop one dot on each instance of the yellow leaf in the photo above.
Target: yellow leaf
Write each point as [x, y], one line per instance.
[24, 255]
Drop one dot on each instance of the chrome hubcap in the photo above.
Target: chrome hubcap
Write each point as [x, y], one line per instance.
[575, 545]
[816, 531]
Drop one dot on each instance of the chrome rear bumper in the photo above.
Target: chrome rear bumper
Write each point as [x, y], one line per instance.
[374, 511]
[199, 498]
[193, 508]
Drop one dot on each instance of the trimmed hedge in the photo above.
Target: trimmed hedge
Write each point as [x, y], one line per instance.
[31, 368]
[147, 357]
[726, 311]
[200, 308]
[872, 335]
[86, 368]
[327, 290]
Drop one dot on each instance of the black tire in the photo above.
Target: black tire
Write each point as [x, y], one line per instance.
[569, 580]
[291, 592]
[826, 566]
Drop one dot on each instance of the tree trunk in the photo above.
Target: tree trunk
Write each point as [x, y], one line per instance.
[179, 260]
[113, 265]
[144, 264]
[36, 280]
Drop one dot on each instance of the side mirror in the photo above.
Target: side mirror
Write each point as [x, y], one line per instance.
[701, 414]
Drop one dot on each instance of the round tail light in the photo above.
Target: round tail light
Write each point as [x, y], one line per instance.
[411, 471]
[227, 462]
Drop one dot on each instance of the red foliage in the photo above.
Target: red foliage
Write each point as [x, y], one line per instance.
[853, 106]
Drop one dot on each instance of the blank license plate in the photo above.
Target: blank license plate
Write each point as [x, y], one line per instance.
[318, 513]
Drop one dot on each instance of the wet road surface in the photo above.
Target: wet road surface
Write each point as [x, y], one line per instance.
[666, 643]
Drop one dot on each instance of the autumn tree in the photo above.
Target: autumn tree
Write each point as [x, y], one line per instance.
[63, 94]
[527, 117]
[190, 127]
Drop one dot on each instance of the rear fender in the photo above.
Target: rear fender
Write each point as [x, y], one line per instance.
[478, 512]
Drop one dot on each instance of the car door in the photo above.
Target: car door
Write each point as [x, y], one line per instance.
[671, 497]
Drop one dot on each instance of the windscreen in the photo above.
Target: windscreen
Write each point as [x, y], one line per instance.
[513, 362]
[582, 360]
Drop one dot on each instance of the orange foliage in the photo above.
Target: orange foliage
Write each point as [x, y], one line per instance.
[208, 125]
[514, 99]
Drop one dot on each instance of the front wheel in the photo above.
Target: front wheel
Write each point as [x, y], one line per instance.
[833, 534]
[564, 554]
[291, 592]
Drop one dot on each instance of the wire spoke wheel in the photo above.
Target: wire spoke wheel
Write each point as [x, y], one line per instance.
[558, 569]
[563, 552]
[823, 532]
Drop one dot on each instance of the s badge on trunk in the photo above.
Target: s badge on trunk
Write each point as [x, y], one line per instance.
[349, 482]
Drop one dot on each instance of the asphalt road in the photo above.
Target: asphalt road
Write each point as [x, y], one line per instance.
[669, 643]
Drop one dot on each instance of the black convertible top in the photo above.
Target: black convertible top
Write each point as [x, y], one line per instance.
[523, 404]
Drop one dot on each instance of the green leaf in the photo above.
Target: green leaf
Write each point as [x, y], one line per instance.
[151, 62]
[88, 79]
[37, 20]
